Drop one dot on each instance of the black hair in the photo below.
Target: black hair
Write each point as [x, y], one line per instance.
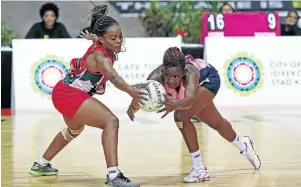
[49, 6]
[295, 11]
[100, 22]
[226, 4]
[174, 57]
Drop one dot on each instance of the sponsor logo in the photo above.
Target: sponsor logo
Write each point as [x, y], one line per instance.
[46, 73]
[243, 74]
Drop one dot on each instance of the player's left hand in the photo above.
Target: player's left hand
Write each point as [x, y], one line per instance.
[133, 108]
[170, 106]
[130, 113]
[88, 36]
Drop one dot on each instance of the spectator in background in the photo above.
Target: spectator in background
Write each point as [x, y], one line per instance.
[49, 27]
[227, 8]
[290, 27]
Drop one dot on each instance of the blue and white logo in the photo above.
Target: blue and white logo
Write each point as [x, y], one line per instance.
[243, 74]
[47, 72]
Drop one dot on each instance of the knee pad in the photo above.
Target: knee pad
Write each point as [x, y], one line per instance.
[70, 134]
[177, 118]
[180, 124]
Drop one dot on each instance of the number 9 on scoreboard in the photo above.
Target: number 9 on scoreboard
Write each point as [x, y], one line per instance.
[240, 24]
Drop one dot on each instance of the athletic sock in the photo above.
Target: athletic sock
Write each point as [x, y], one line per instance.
[197, 159]
[113, 172]
[239, 144]
[42, 161]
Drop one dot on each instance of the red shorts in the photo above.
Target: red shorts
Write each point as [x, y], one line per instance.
[67, 99]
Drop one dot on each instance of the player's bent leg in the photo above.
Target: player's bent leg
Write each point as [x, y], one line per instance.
[213, 118]
[199, 172]
[183, 118]
[42, 167]
[217, 122]
[187, 129]
[65, 136]
[95, 114]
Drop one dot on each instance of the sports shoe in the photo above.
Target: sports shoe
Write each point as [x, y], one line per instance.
[250, 152]
[120, 181]
[197, 174]
[39, 170]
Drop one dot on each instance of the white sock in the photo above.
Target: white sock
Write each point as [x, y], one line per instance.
[113, 172]
[197, 159]
[239, 144]
[42, 161]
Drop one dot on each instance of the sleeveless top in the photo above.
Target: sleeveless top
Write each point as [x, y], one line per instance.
[80, 78]
[205, 70]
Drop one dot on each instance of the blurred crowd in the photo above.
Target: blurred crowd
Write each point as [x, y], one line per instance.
[49, 27]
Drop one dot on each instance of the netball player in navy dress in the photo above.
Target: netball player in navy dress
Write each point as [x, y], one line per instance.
[191, 84]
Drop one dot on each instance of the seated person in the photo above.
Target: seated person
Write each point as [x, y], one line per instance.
[49, 27]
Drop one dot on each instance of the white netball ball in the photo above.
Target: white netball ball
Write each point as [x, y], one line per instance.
[155, 95]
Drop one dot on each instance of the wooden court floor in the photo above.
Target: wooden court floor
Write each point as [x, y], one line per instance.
[152, 151]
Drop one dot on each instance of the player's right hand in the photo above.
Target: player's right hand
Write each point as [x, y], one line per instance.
[137, 94]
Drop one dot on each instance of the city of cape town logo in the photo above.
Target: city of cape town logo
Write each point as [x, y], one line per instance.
[46, 72]
[243, 74]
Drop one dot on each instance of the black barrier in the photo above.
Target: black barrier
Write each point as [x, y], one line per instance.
[6, 77]
[196, 52]
[6, 71]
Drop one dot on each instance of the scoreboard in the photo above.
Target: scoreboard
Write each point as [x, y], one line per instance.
[239, 24]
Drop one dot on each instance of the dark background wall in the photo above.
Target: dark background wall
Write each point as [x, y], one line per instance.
[6, 67]
[20, 16]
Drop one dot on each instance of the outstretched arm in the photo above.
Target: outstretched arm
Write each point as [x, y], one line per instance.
[105, 66]
[134, 107]
[156, 75]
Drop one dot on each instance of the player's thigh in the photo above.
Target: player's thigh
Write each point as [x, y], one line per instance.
[204, 97]
[93, 113]
[211, 116]
[73, 124]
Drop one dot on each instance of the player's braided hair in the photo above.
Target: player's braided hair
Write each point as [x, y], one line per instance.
[100, 22]
[173, 57]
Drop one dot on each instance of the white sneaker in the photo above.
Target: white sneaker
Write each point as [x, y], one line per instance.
[197, 174]
[250, 152]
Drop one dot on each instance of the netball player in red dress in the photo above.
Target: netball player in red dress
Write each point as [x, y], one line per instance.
[191, 85]
[72, 97]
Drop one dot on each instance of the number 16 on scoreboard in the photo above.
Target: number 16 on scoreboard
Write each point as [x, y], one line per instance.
[240, 24]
